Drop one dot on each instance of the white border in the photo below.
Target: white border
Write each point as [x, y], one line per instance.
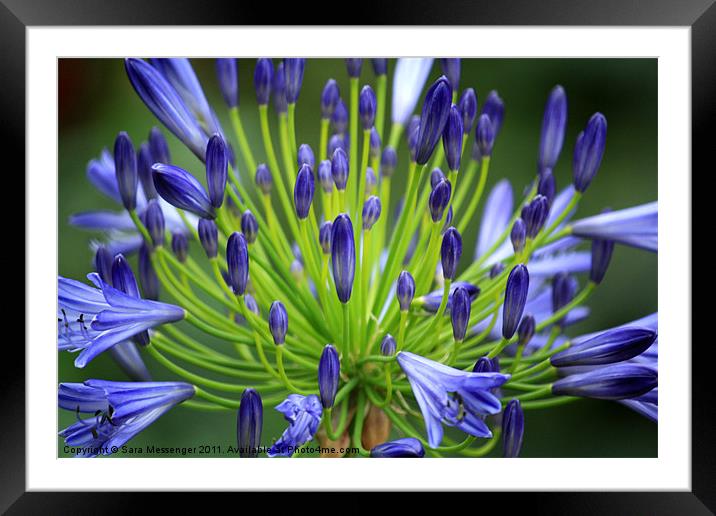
[670, 471]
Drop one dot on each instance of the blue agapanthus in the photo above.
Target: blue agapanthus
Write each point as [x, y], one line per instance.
[303, 414]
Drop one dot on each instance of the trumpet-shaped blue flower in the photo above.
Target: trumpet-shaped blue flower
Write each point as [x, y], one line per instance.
[303, 414]
[408, 81]
[636, 227]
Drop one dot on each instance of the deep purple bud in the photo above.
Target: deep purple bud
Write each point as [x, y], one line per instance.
[329, 370]
[601, 255]
[335, 142]
[513, 428]
[263, 75]
[228, 81]
[370, 181]
[435, 177]
[354, 65]
[154, 220]
[496, 269]
[278, 322]
[526, 329]
[343, 255]
[485, 135]
[452, 138]
[249, 226]
[388, 346]
[329, 98]
[380, 66]
[159, 147]
[439, 199]
[371, 212]
[182, 190]
[180, 246]
[611, 346]
[217, 163]
[123, 278]
[613, 382]
[305, 156]
[406, 447]
[411, 133]
[339, 168]
[451, 70]
[436, 109]
[450, 252]
[534, 214]
[303, 191]
[486, 365]
[144, 171]
[564, 287]
[103, 264]
[339, 119]
[263, 179]
[374, 144]
[495, 109]
[588, 151]
[325, 176]
[125, 166]
[366, 107]
[546, 185]
[325, 235]
[293, 68]
[460, 313]
[468, 109]
[237, 263]
[388, 162]
[209, 237]
[518, 235]
[278, 89]
[554, 124]
[249, 424]
[405, 290]
[518, 283]
[147, 275]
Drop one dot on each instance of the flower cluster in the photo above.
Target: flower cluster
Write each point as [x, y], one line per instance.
[357, 321]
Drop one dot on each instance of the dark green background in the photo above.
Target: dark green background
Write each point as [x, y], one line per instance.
[96, 101]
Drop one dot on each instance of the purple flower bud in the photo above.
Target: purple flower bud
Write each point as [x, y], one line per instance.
[554, 124]
[217, 163]
[411, 133]
[329, 370]
[611, 346]
[366, 107]
[339, 168]
[251, 304]
[303, 191]
[435, 177]
[374, 144]
[451, 70]
[485, 135]
[468, 109]
[249, 424]
[263, 75]
[343, 255]
[329, 98]
[370, 181]
[182, 190]
[526, 329]
[452, 138]
[180, 246]
[339, 119]
[144, 170]
[325, 235]
[293, 67]
[546, 185]
[354, 65]
[228, 81]
[125, 166]
[237, 263]
[388, 162]
[249, 226]
[209, 237]
[337, 141]
[263, 179]
[534, 214]
[325, 176]
[406, 447]
[371, 212]
[439, 199]
[158, 147]
[305, 156]
[460, 313]
[388, 346]
[601, 255]
[518, 283]
[147, 275]
[486, 365]
[278, 322]
[436, 109]
[518, 235]
[513, 427]
[588, 151]
[380, 66]
[495, 109]
[405, 290]
[103, 264]
[154, 220]
[278, 89]
[123, 280]
[613, 382]
[564, 287]
[496, 269]
[450, 252]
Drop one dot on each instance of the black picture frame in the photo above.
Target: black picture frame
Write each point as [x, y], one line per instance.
[700, 15]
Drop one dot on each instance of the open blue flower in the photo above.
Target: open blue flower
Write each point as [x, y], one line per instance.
[303, 414]
[636, 226]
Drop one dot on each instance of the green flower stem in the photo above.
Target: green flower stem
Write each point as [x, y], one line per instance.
[346, 327]
[532, 395]
[573, 202]
[454, 352]
[374, 358]
[475, 200]
[360, 199]
[331, 433]
[382, 224]
[288, 151]
[401, 329]
[282, 373]
[429, 260]
[522, 386]
[485, 448]
[364, 277]
[140, 227]
[353, 165]
[437, 318]
[381, 83]
[218, 400]
[388, 387]
[199, 405]
[548, 403]
[323, 145]
[246, 153]
[292, 131]
[358, 421]
[502, 344]
[272, 227]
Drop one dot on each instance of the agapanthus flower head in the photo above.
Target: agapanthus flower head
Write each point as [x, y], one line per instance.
[451, 396]
[145, 160]
[406, 447]
[249, 424]
[278, 322]
[388, 345]
[278, 89]
[534, 214]
[325, 236]
[264, 180]
[227, 76]
[154, 220]
[460, 313]
[439, 199]
[436, 109]
[182, 190]
[120, 411]
[371, 212]
[518, 283]
[636, 227]
[513, 429]
[408, 81]
[526, 329]
[339, 118]
[249, 226]
[366, 107]
[158, 146]
[237, 262]
[451, 69]
[380, 66]
[209, 237]
[217, 172]
[125, 166]
[305, 155]
[263, 77]
[554, 125]
[405, 290]
[329, 369]
[452, 138]
[388, 162]
[354, 66]
[303, 414]
[518, 235]
[450, 252]
[494, 108]
[180, 246]
[339, 168]
[601, 256]
[546, 185]
[303, 191]
[293, 68]
[343, 253]
[485, 135]
[613, 382]
[329, 98]
[588, 151]
[468, 109]
[616, 345]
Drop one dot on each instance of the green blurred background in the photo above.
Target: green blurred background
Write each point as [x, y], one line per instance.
[96, 101]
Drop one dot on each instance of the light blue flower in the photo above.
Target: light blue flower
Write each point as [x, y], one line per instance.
[408, 82]
[303, 414]
[495, 217]
[637, 226]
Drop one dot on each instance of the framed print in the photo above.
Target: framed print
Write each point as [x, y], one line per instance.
[290, 242]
